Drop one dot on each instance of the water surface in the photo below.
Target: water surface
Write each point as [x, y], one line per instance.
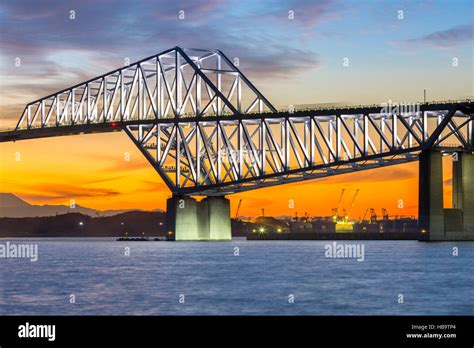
[259, 281]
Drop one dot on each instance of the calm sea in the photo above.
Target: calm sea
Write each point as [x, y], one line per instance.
[266, 278]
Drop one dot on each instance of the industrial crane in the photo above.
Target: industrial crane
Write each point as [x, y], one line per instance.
[373, 216]
[365, 214]
[336, 210]
[238, 209]
[384, 214]
[346, 216]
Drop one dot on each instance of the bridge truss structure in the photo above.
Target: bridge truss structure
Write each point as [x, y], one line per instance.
[207, 130]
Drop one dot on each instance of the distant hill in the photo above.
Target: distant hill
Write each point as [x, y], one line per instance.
[13, 206]
[9, 200]
[133, 223]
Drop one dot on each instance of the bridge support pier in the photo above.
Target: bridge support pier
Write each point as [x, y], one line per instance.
[209, 219]
[430, 202]
[436, 223]
[463, 189]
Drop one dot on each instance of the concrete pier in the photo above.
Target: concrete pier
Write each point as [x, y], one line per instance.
[463, 189]
[209, 219]
[218, 217]
[435, 222]
[430, 203]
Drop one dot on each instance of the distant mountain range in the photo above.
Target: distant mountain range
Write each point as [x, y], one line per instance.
[14, 206]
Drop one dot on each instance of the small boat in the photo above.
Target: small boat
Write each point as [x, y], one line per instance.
[133, 239]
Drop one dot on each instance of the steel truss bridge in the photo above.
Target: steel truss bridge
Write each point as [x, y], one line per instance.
[207, 130]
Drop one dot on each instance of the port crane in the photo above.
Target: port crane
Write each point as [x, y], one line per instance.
[373, 216]
[365, 214]
[238, 209]
[384, 214]
[336, 210]
[346, 216]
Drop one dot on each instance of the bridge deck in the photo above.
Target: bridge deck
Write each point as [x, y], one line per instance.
[466, 106]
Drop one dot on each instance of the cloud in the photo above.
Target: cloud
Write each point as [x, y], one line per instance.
[445, 38]
[65, 191]
[121, 165]
[86, 181]
[57, 52]
[307, 13]
[281, 63]
[100, 25]
[196, 10]
[152, 186]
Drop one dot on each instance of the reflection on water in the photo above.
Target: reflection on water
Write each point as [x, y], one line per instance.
[210, 279]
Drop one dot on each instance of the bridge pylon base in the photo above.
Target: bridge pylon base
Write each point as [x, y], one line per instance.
[206, 220]
[463, 190]
[437, 223]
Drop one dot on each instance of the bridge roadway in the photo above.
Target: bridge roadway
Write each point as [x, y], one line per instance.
[465, 106]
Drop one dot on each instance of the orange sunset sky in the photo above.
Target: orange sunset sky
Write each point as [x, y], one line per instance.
[292, 62]
[92, 170]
